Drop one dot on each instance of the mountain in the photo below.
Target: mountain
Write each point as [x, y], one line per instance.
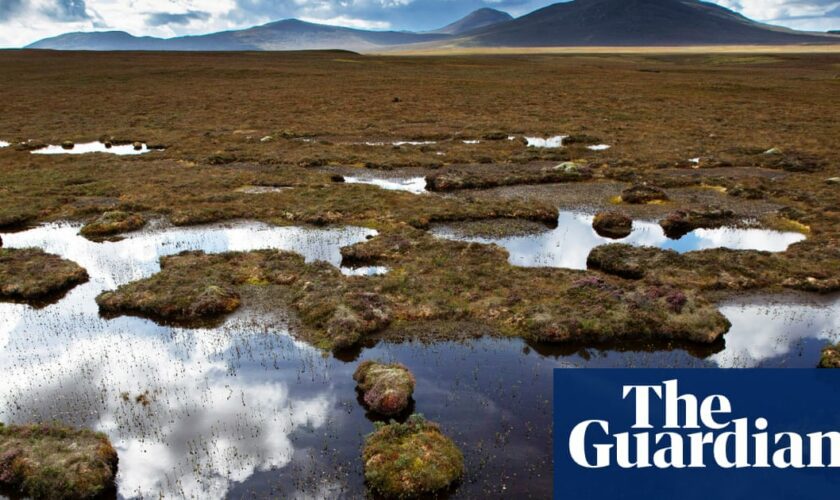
[575, 23]
[478, 19]
[633, 23]
[289, 34]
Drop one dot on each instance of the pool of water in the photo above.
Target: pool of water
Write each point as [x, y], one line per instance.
[569, 244]
[415, 185]
[399, 143]
[244, 409]
[551, 142]
[93, 147]
[599, 147]
[4, 144]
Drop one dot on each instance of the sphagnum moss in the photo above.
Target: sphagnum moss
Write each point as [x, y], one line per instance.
[56, 462]
[410, 459]
[386, 388]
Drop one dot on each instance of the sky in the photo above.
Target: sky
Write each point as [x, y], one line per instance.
[25, 21]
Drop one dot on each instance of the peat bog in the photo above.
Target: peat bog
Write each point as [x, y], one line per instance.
[229, 371]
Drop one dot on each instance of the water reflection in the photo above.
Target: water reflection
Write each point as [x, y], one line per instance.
[93, 147]
[182, 423]
[415, 185]
[599, 147]
[4, 144]
[569, 244]
[245, 410]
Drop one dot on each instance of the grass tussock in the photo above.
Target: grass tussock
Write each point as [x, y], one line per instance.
[56, 462]
[31, 275]
[830, 357]
[111, 223]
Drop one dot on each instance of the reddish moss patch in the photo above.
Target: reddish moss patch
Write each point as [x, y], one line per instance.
[386, 389]
[46, 461]
[411, 459]
[31, 275]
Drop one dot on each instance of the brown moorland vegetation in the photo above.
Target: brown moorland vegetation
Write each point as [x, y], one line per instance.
[762, 127]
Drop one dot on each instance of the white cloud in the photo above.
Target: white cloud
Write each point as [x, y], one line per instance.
[349, 22]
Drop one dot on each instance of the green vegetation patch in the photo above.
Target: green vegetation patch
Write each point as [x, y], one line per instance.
[830, 357]
[411, 459]
[56, 462]
[30, 274]
[386, 388]
[194, 286]
[111, 223]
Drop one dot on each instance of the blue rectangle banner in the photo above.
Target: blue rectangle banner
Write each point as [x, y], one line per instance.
[696, 434]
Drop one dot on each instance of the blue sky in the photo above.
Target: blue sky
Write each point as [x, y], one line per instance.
[24, 21]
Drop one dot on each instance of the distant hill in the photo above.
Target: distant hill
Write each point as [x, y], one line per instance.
[633, 23]
[290, 34]
[575, 23]
[478, 19]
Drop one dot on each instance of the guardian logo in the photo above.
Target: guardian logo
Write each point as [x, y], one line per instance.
[697, 434]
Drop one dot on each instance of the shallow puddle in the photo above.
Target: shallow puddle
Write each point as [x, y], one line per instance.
[551, 142]
[4, 144]
[599, 147]
[93, 147]
[399, 143]
[569, 244]
[416, 185]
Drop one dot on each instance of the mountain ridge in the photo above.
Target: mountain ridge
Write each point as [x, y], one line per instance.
[574, 23]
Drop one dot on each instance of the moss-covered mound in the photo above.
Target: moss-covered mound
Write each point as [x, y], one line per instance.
[830, 357]
[30, 274]
[454, 179]
[191, 286]
[612, 224]
[678, 224]
[56, 462]
[643, 193]
[180, 292]
[411, 459]
[111, 223]
[386, 389]
[719, 269]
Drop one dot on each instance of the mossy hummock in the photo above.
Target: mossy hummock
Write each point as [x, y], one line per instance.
[56, 462]
[30, 274]
[111, 223]
[411, 459]
[830, 357]
[386, 388]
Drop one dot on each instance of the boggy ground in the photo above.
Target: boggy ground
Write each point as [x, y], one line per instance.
[33, 276]
[291, 120]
